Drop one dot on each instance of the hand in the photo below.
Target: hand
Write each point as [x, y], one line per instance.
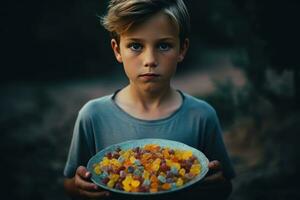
[85, 187]
[217, 175]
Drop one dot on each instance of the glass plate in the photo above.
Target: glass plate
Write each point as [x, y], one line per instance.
[140, 143]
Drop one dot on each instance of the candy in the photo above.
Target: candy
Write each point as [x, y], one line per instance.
[174, 170]
[135, 183]
[110, 183]
[130, 169]
[132, 159]
[182, 172]
[151, 168]
[166, 186]
[162, 179]
[146, 182]
[127, 188]
[179, 182]
[97, 169]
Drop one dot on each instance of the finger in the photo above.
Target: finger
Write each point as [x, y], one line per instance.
[83, 173]
[214, 165]
[84, 184]
[217, 177]
[94, 195]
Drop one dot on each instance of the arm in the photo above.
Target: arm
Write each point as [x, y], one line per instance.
[80, 186]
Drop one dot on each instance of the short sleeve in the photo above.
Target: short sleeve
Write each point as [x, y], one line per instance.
[214, 147]
[80, 149]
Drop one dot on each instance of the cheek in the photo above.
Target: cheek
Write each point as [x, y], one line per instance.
[170, 58]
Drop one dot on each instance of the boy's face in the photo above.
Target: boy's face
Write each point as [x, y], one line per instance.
[150, 52]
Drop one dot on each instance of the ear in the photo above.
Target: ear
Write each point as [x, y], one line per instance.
[116, 49]
[183, 49]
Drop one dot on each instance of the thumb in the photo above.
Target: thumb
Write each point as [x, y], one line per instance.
[83, 172]
[214, 165]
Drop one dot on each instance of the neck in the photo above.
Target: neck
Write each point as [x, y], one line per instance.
[148, 105]
[149, 100]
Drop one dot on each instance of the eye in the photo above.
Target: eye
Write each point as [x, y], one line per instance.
[135, 46]
[164, 46]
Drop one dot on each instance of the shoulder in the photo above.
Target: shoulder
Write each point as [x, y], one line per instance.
[95, 106]
[199, 106]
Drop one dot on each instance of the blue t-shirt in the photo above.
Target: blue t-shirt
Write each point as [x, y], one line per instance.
[101, 123]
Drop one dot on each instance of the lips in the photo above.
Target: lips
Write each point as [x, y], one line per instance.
[149, 75]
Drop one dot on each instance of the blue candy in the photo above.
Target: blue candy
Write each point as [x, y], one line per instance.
[104, 175]
[121, 159]
[146, 182]
[173, 185]
[137, 162]
[130, 169]
[141, 168]
[137, 172]
[174, 170]
[169, 180]
[161, 179]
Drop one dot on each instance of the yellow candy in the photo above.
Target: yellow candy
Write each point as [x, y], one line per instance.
[132, 159]
[195, 172]
[146, 156]
[127, 188]
[97, 169]
[176, 165]
[146, 174]
[178, 154]
[105, 158]
[162, 174]
[179, 182]
[127, 180]
[126, 155]
[155, 167]
[111, 183]
[105, 162]
[166, 153]
[187, 154]
[182, 171]
[157, 161]
[114, 177]
[195, 169]
[169, 162]
[135, 183]
[115, 162]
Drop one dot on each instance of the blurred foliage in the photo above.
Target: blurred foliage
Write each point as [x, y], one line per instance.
[223, 102]
[232, 103]
[272, 45]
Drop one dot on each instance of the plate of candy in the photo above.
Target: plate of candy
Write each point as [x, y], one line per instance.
[147, 166]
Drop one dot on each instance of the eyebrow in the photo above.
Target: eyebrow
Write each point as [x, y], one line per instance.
[142, 40]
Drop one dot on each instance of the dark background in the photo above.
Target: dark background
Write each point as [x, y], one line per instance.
[55, 56]
[50, 40]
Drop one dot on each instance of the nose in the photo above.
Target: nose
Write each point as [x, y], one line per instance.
[150, 59]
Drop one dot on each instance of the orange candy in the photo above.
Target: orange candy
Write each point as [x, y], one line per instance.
[166, 186]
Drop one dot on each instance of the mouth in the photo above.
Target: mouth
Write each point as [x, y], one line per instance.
[149, 75]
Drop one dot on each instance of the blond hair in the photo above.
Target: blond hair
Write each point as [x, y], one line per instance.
[123, 14]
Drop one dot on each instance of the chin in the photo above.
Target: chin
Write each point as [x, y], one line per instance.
[153, 87]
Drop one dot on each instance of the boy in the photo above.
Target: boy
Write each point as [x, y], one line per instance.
[149, 37]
